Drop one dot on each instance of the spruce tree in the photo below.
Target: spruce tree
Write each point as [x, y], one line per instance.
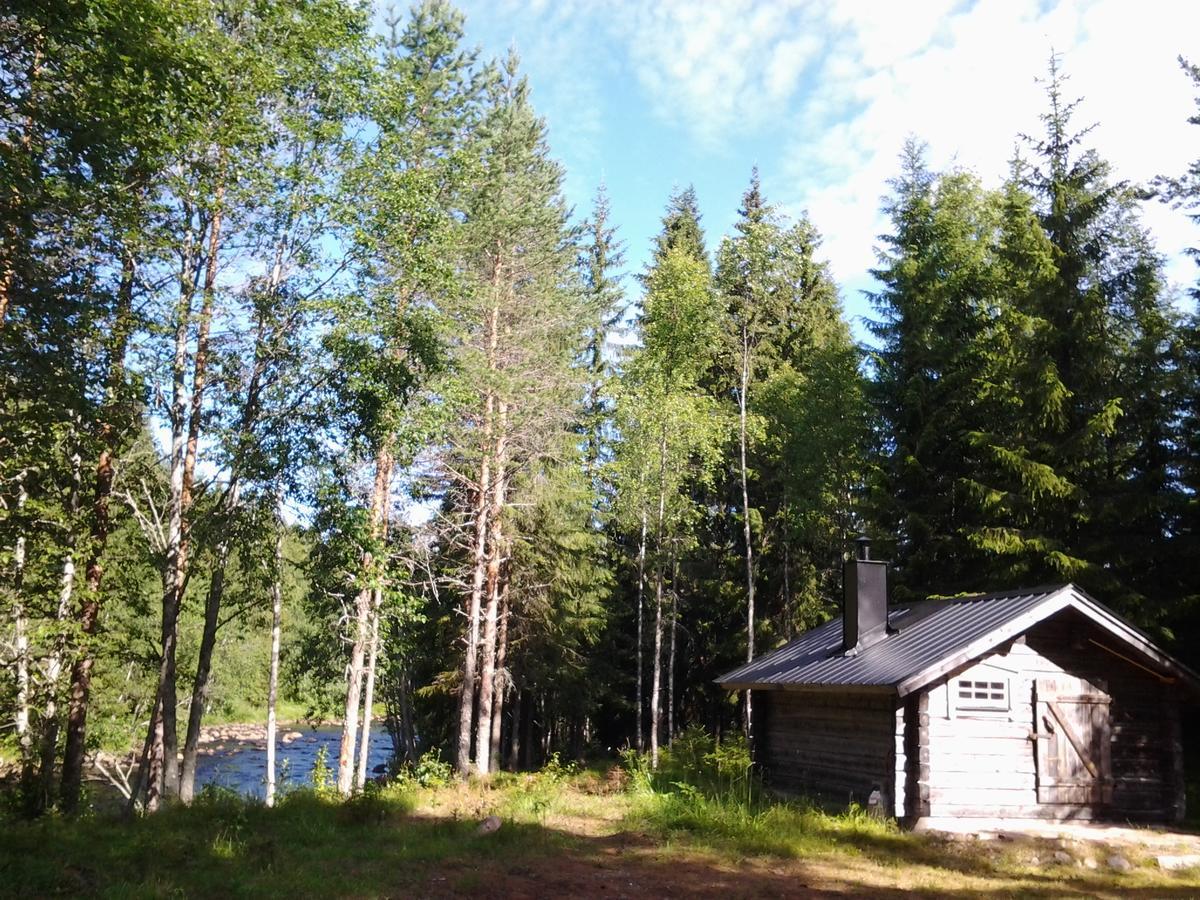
[1106, 337]
[935, 303]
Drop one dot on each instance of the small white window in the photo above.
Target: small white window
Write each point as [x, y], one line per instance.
[974, 693]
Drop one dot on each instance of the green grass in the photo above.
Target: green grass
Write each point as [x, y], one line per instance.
[241, 712]
[565, 832]
[226, 846]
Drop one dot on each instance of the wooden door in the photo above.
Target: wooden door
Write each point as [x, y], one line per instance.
[1074, 737]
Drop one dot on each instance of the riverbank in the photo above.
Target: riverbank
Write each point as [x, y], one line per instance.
[214, 738]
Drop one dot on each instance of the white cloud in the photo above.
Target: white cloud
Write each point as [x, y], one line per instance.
[825, 92]
[963, 80]
[721, 65]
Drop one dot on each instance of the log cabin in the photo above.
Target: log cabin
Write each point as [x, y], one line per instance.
[1026, 704]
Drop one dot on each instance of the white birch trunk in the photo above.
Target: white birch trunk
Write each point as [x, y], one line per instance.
[641, 643]
[656, 680]
[354, 673]
[671, 653]
[362, 614]
[52, 674]
[21, 642]
[364, 743]
[273, 677]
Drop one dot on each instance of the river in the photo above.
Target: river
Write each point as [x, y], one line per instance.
[242, 765]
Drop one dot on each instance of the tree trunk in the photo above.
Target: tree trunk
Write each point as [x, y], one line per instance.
[89, 611]
[229, 507]
[354, 679]
[53, 672]
[162, 750]
[200, 687]
[656, 680]
[671, 650]
[364, 743]
[501, 676]
[514, 736]
[171, 771]
[641, 643]
[273, 676]
[374, 636]
[54, 663]
[21, 649]
[746, 518]
[362, 604]
[483, 735]
[141, 780]
[408, 743]
[529, 750]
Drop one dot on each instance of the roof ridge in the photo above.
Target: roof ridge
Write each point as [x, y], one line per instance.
[1044, 589]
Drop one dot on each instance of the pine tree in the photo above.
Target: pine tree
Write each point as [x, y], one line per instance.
[405, 200]
[514, 387]
[680, 229]
[1106, 336]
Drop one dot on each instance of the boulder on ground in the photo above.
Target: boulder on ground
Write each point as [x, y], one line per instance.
[490, 825]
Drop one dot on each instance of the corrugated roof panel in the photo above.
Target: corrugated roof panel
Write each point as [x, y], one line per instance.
[926, 633]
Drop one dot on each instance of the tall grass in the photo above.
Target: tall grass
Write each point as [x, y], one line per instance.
[713, 793]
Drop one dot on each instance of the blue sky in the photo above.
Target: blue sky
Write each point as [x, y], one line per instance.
[650, 94]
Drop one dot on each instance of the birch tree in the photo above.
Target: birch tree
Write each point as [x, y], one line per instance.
[670, 428]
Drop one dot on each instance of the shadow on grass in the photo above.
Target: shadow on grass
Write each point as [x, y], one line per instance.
[377, 846]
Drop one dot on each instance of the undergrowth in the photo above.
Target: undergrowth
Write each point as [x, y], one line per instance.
[419, 833]
[711, 791]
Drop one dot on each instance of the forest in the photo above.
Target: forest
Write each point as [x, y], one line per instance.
[318, 402]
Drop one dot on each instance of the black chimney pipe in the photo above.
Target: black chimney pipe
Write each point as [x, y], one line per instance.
[864, 611]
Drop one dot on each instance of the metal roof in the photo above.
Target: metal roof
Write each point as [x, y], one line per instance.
[927, 639]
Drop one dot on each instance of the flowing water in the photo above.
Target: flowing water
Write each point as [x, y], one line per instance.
[242, 765]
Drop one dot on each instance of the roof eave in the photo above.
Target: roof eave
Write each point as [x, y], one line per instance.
[1006, 631]
[1068, 595]
[1117, 626]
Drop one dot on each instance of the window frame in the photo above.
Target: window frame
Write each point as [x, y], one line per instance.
[990, 686]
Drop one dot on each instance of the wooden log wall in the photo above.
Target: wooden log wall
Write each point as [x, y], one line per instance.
[833, 747]
[1146, 746]
[983, 762]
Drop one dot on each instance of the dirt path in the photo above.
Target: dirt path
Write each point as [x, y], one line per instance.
[624, 864]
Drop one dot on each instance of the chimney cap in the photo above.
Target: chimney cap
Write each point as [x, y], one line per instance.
[863, 547]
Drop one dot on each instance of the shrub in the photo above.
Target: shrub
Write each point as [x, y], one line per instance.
[367, 807]
[431, 771]
[696, 760]
[637, 767]
[322, 775]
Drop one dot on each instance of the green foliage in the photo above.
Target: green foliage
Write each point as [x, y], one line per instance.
[396, 265]
[696, 764]
[1024, 379]
[322, 776]
[710, 792]
[430, 771]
